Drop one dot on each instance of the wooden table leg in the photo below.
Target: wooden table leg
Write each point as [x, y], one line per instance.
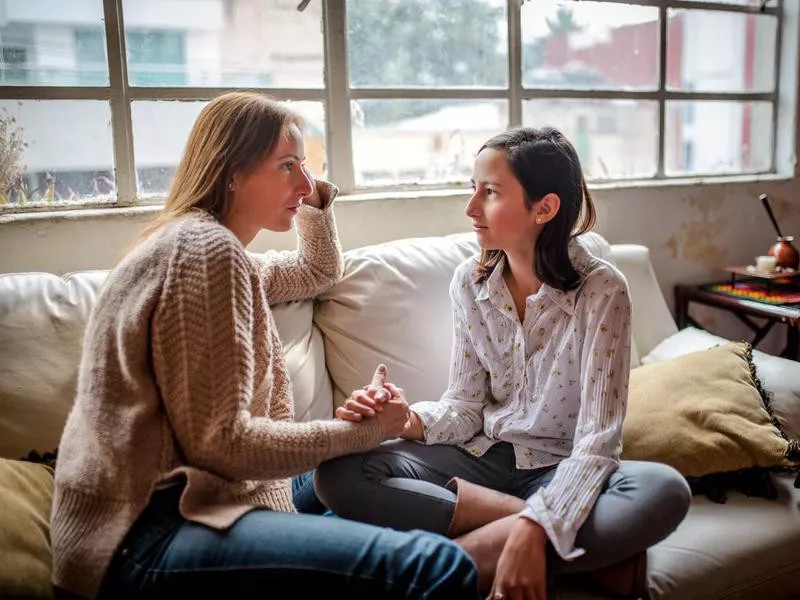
[792, 349]
[681, 307]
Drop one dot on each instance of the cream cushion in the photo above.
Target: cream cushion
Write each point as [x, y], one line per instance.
[42, 320]
[393, 306]
[305, 360]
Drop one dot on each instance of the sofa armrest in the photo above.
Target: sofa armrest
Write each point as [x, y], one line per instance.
[652, 319]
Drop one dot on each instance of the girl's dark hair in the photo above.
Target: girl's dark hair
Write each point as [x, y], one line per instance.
[545, 162]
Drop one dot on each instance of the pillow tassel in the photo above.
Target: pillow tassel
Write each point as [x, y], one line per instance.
[793, 450]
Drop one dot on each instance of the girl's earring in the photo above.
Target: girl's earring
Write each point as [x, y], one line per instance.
[231, 187]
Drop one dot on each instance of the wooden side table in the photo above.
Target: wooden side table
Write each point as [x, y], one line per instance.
[743, 309]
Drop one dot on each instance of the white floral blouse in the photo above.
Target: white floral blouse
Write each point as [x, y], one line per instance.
[555, 386]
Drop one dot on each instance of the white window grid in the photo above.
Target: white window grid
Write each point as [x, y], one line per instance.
[337, 93]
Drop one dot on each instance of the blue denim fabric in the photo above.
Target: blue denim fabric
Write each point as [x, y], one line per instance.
[305, 498]
[268, 554]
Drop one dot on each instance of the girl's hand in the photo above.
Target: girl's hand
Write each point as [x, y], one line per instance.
[521, 568]
[413, 429]
[394, 417]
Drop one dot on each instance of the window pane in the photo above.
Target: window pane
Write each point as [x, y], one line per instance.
[711, 137]
[421, 141]
[55, 151]
[589, 45]
[52, 43]
[224, 43]
[615, 139]
[160, 131]
[419, 43]
[694, 60]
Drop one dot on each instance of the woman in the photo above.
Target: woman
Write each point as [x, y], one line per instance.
[175, 464]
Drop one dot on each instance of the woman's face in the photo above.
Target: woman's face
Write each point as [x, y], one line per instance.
[269, 196]
[498, 210]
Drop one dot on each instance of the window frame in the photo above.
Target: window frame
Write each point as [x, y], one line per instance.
[337, 95]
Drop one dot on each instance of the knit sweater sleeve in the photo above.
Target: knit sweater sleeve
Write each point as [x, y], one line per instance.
[204, 358]
[317, 263]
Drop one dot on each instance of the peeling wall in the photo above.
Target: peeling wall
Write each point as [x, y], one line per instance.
[693, 231]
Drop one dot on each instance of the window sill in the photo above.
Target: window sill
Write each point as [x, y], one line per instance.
[153, 205]
[416, 193]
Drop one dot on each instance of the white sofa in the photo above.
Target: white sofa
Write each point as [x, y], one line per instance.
[392, 306]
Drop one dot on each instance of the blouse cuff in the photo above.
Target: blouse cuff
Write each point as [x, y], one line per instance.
[563, 540]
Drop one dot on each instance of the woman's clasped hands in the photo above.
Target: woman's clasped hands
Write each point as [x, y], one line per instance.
[382, 400]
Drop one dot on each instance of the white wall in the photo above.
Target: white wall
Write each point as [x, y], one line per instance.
[690, 229]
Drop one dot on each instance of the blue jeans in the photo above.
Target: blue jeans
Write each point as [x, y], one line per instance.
[305, 498]
[268, 554]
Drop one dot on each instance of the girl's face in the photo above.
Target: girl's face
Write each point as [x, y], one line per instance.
[269, 196]
[497, 208]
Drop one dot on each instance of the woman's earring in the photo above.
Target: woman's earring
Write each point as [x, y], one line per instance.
[231, 187]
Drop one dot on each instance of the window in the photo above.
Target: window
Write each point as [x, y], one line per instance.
[14, 62]
[90, 56]
[156, 57]
[97, 96]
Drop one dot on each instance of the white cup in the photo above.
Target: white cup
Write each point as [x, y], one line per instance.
[766, 264]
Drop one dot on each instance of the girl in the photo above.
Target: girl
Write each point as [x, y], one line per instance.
[173, 477]
[536, 399]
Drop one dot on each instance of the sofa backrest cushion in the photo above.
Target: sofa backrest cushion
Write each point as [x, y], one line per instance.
[42, 321]
[393, 306]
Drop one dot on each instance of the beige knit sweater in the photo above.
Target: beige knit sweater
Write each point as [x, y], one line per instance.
[183, 373]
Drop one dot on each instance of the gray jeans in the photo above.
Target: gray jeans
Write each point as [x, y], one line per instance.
[401, 485]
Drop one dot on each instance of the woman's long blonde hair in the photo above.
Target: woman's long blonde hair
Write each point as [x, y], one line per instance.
[233, 133]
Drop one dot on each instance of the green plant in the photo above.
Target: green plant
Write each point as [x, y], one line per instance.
[11, 147]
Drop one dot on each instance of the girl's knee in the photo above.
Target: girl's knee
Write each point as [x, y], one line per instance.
[674, 487]
[668, 490]
[345, 482]
[332, 480]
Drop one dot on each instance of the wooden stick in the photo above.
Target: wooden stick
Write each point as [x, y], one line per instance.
[765, 201]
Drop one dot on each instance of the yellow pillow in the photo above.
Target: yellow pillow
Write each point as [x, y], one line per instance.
[704, 413]
[26, 495]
